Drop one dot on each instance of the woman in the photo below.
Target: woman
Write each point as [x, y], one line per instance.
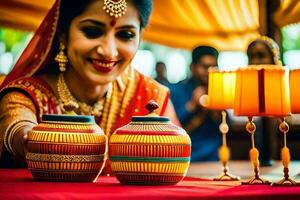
[79, 60]
[263, 50]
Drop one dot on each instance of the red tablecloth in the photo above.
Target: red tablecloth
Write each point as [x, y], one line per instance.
[18, 184]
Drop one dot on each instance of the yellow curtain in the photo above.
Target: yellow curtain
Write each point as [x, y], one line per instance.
[224, 24]
[23, 14]
[288, 13]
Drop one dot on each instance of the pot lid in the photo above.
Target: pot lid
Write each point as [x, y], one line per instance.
[152, 116]
[68, 118]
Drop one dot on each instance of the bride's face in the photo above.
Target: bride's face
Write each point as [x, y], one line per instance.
[100, 47]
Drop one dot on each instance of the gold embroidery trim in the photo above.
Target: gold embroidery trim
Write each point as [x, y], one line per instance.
[64, 158]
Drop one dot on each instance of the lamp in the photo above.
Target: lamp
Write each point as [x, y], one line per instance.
[221, 89]
[261, 90]
[294, 90]
[294, 81]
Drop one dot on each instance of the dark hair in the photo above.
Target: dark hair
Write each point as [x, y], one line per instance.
[200, 51]
[160, 63]
[144, 8]
[269, 49]
[69, 9]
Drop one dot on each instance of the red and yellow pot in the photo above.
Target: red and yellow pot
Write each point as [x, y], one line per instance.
[150, 150]
[66, 148]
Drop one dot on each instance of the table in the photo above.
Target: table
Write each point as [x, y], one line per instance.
[244, 170]
[18, 184]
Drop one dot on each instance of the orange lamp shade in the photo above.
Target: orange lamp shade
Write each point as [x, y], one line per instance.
[294, 90]
[221, 89]
[262, 90]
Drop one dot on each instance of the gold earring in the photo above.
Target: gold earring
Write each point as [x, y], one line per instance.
[61, 58]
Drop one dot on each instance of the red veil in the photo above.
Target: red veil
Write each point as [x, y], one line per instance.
[39, 50]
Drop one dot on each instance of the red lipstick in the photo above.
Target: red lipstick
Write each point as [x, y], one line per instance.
[103, 66]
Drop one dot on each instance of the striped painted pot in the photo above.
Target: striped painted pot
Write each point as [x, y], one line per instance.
[150, 150]
[66, 148]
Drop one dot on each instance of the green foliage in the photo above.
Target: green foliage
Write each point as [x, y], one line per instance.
[11, 37]
[291, 37]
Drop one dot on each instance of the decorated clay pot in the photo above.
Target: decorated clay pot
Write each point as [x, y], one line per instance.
[150, 150]
[66, 148]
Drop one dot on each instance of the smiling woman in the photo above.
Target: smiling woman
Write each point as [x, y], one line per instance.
[79, 60]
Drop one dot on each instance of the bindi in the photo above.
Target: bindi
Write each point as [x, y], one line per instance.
[113, 22]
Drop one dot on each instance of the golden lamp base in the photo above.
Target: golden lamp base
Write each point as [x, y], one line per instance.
[225, 176]
[286, 181]
[257, 181]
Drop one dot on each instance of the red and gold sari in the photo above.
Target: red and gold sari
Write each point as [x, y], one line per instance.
[25, 98]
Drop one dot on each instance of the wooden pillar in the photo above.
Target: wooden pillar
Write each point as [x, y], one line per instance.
[272, 30]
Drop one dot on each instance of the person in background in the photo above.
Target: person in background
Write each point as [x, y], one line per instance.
[161, 73]
[202, 124]
[264, 51]
[79, 60]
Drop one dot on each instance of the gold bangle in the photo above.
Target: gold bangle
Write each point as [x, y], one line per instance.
[11, 132]
[7, 138]
[11, 135]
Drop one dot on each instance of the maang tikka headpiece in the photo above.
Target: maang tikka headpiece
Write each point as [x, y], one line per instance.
[115, 8]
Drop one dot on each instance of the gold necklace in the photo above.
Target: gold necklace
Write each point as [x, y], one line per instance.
[69, 103]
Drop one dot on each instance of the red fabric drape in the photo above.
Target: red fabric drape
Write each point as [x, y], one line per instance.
[18, 184]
